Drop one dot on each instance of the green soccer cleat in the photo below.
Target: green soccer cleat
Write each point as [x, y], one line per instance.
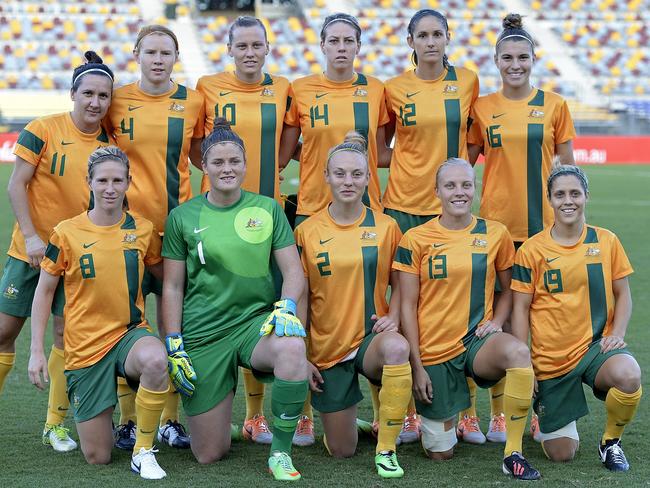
[387, 465]
[364, 427]
[281, 467]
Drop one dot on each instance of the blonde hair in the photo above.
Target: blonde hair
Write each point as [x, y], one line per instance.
[353, 142]
[454, 162]
[154, 29]
[108, 153]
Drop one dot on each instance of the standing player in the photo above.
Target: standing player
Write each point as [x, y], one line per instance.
[327, 106]
[255, 104]
[572, 297]
[47, 186]
[347, 247]
[155, 120]
[218, 304]
[101, 254]
[519, 129]
[450, 265]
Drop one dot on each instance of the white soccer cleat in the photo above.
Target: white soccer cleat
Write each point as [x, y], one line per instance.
[144, 463]
[468, 430]
[57, 436]
[497, 429]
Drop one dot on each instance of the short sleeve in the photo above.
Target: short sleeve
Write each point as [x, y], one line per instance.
[506, 252]
[54, 261]
[621, 266]
[474, 134]
[174, 245]
[475, 89]
[564, 130]
[407, 257]
[396, 237]
[282, 234]
[523, 271]
[292, 116]
[152, 256]
[32, 142]
[384, 118]
[199, 127]
[300, 243]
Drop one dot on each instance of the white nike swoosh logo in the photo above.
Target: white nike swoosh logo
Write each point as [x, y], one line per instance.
[196, 231]
[284, 417]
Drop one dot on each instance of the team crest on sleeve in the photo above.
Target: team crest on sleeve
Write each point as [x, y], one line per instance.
[267, 92]
[592, 252]
[176, 107]
[360, 92]
[368, 236]
[254, 224]
[450, 89]
[129, 238]
[479, 242]
[536, 114]
[11, 292]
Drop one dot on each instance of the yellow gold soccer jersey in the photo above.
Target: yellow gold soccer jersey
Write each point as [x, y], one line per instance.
[348, 270]
[573, 300]
[326, 111]
[102, 269]
[155, 131]
[518, 138]
[457, 272]
[256, 112]
[58, 189]
[430, 127]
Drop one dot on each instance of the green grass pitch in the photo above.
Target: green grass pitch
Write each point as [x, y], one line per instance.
[619, 202]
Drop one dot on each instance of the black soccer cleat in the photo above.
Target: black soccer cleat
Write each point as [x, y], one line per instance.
[612, 455]
[516, 466]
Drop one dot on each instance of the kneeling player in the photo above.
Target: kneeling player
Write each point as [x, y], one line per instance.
[102, 254]
[572, 296]
[448, 268]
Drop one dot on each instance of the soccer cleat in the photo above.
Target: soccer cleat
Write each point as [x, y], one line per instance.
[257, 430]
[57, 436]
[612, 455]
[235, 433]
[173, 434]
[497, 429]
[516, 466]
[468, 430]
[144, 463]
[387, 465]
[410, 429]
[365, 427]
[304, 435]
[534, 429]
[124, 435]
[281, 467]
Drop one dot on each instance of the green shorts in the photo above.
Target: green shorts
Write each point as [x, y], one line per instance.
[449, 382]
[216, 365]
[151, 284]
[18, 285]
[407, 221]
[341, 383]
[93, 389]
[559, 401]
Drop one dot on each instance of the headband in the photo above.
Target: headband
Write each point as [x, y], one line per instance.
[223, 142]
[343, 19]
[515, 35]
[565, 170]
[92, 70]
[345, 149]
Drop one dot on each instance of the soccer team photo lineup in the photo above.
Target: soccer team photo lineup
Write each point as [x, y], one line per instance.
[318, 241]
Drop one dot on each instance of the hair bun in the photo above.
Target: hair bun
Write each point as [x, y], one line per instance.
[513, 21]
[221, 123]
[353, 137]
[93, 58]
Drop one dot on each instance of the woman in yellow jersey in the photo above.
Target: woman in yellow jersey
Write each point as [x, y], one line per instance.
[429, 109]
[347, 247]
[448, 270]
[327, 106]
[254, 102]
[519, 130]
[46, 187]
[155, 121]
[572, 297]
[101, 254]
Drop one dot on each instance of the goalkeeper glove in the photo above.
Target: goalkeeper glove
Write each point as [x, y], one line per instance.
[181, 372]
[284, 320]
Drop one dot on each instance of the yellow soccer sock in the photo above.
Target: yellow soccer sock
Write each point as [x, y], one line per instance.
[518, 394]
[126, 399]
[58, 402]
[171, 409]
[374, 394]
[471, 410]
[254, 391]
[394, 396]
[306, 408]
[148, 407]
[621, 408]
[7, 360]
[496, 398]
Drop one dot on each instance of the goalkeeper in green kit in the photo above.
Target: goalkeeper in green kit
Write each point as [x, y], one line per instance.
[218, 305]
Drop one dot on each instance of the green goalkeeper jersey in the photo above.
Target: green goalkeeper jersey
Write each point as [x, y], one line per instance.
[227, 253]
